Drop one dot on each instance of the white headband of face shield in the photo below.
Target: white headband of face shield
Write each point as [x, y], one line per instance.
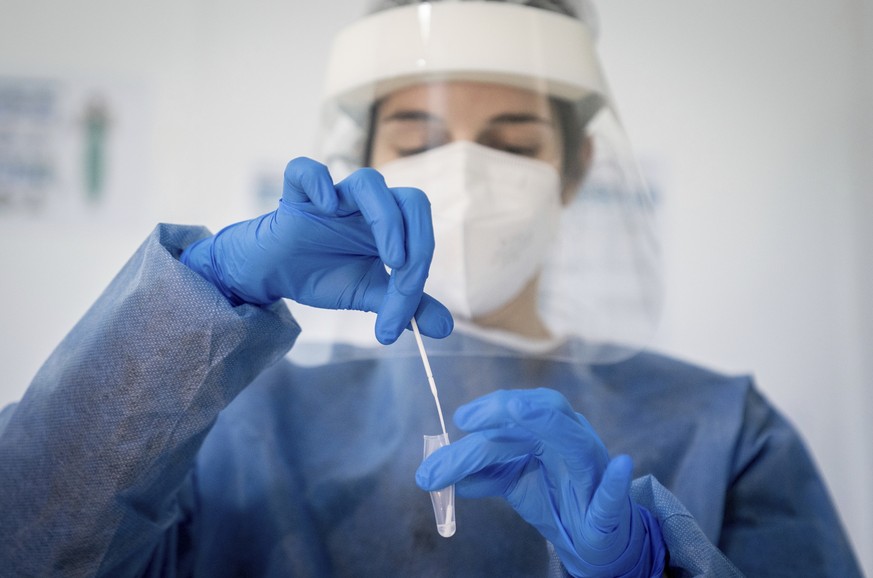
[459, 40]
[495, 215]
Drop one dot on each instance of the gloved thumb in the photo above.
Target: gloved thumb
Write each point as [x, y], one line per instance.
[607, 521]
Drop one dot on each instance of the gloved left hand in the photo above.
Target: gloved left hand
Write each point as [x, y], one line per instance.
[327, 246]
[530, 447]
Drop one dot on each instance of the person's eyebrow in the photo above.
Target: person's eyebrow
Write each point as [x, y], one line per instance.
[411, 114]
[518, 118]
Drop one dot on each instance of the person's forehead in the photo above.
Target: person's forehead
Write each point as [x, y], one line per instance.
[473, 99]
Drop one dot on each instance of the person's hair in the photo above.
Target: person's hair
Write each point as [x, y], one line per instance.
[572, 138]
[573, 118]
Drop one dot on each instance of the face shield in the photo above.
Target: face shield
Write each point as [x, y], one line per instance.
[499, 112]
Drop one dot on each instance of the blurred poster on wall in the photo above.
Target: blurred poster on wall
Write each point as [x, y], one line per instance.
[73, 149]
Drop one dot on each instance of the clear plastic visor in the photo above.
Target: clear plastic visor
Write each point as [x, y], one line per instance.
[544, 228]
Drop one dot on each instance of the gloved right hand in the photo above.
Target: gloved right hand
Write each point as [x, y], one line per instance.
[327, 246]
[530, 447]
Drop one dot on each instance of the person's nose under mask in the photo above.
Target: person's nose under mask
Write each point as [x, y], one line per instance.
[495, 215]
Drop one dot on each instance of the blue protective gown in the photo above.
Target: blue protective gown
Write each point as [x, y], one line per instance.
[138, 449]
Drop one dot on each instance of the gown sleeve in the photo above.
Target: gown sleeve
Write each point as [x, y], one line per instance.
[778, 518]
[689, 551]
[95, 456]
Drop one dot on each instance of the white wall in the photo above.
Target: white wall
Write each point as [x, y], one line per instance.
[755, 114]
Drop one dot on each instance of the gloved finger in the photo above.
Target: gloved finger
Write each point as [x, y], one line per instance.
[365, 190]
[579, 447]
[433, 319]
[609, 506]
[572, 447]
[492, 410]
[415, 208]
[307, 180]
[491, 481]
[369, 293]
[471, 454]
[395, 312]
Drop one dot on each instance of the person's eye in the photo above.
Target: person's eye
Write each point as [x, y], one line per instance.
[432, 142]
[408, 152]
[521, 144]
[522, 151]
[532, 151]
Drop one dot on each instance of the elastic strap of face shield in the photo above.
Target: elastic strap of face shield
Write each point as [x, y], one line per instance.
[580, 9]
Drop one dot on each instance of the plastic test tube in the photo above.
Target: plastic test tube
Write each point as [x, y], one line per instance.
[443, 500]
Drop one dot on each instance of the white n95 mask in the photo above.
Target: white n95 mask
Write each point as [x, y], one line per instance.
[494, 216]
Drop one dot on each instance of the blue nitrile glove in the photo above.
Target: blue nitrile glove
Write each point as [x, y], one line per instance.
[327, 246]
[530, 447]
